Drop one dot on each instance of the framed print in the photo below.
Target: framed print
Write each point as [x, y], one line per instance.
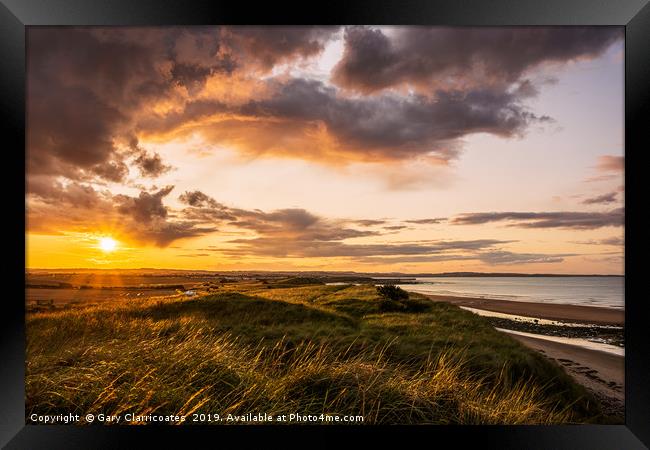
[374, 218]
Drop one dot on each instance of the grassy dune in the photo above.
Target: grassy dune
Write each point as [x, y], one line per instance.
[262, 347]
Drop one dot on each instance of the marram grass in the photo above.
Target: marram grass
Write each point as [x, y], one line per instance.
[320, 350]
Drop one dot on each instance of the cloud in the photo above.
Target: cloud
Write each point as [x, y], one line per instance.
[146, 207]
[610, 163]
[163, 233]
[82, 89]
[414, 259]
[283, 233]
[151, 165]
[491, 258]
[612, 241]
[425, 57]
[295, 232]
[55, 208]
[601, 199]
[608, 167]
[561, 219]
[110, 87]
[88, 88]
[304, 247]
[616, 241]
[308, 119]
[289, 223]
[426, 221]
[198, 199]
[297, 225]
[94, 93]
[507, 258]
[203, 208]
[268, 46]
[368, 222]
[150, 222]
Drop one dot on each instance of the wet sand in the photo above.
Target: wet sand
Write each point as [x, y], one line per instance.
[564, 313]
[601, 373]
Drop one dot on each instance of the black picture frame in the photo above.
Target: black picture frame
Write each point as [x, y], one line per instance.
[16, 15]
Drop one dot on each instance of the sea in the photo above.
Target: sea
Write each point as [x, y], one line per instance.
[605, 292]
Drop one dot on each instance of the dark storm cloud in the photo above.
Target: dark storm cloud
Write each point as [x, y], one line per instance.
[411, 124]
[70, 133]
[561, 219]
[601, 199]
[270, 45]
[374, 60]
[90, 91]
[384, 127]
[86, 87]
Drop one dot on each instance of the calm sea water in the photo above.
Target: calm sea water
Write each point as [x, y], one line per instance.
[590, 291]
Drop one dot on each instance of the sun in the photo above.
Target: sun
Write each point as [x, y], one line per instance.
[107, 244]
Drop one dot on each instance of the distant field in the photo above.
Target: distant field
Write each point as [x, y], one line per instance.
[113, 280]
[293, 346]
[64, 296]
[74, 288]
[90, 287]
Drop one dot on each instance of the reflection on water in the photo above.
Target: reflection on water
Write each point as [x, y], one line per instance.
[573, 341]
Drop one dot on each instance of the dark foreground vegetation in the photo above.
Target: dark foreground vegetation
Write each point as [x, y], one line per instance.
[293, 346]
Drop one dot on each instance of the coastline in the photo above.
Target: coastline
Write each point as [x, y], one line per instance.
[603, 374]
[562, 313]
[600, 372]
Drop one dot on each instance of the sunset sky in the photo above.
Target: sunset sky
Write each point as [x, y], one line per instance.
[408, 149]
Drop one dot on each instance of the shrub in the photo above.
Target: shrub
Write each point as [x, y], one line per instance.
[392, 292]
[391, 306]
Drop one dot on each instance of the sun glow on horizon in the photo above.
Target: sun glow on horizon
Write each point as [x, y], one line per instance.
[107, 244]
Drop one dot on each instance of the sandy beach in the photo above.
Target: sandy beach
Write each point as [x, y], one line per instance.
[602, 373]
[563, 313]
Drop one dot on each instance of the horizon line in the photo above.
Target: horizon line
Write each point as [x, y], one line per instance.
[460, 273]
